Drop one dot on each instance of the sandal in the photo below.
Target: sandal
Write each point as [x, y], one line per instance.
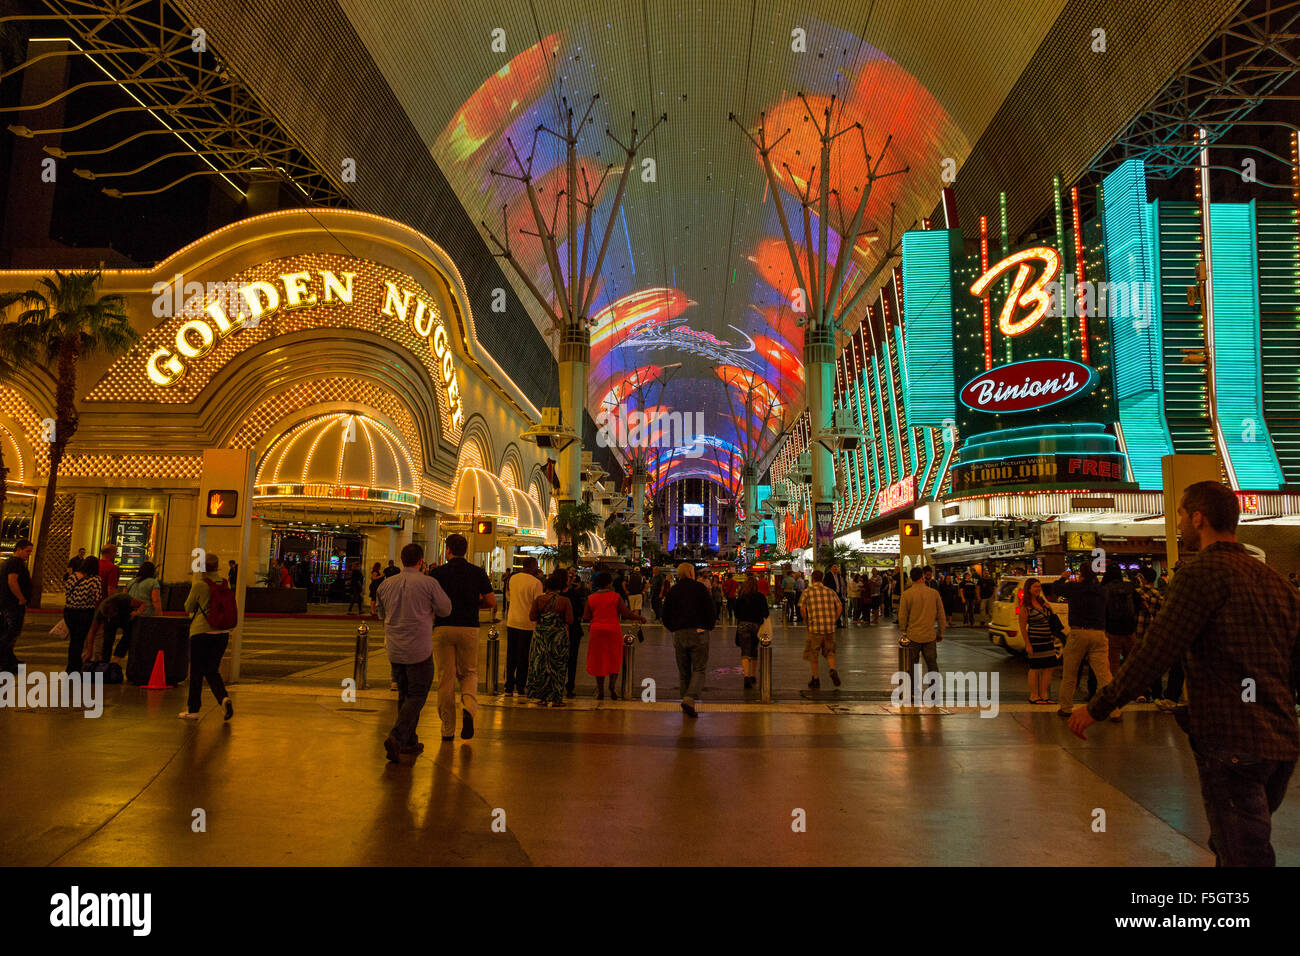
[1037, 700]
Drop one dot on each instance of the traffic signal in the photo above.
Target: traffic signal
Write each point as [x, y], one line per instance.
[223, 504]
[483, 535]
[910, 543]
[909, 529]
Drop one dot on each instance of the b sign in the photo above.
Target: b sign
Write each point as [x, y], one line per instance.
[1028, 386]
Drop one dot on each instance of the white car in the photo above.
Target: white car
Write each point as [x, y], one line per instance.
[1004, 628]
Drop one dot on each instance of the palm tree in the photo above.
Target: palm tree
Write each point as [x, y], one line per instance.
[620, 537]
[572, 520]
[61, 323]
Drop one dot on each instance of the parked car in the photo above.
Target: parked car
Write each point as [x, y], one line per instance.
[1004, 628]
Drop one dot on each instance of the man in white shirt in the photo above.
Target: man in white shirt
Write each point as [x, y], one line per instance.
[524, 588]
[921, 619]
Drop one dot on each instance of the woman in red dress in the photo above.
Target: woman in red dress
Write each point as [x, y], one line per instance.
[605, 642]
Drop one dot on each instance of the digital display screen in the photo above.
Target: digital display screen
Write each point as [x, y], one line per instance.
[692, 511]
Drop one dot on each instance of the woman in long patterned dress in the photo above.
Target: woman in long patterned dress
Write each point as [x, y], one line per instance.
[605, 642]
[548, 655]
[1040, 645]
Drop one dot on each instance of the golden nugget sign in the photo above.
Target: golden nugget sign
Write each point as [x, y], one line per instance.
[245, 305]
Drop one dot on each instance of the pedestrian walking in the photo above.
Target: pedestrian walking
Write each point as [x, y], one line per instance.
[211, 606]
[410, 602]
[1036, 631]
[635, 590]
[455, 635]
[751, 611]
[82, 594]
[605, 609]
[576, 594]
[690, 614]
[921, 619]
[821, 608]
[15, 593]
[970, 599]
[1234, 621]
[522, 589]
[355, 587]
[1086, 600]
[549, 652]
[376, 578]
[1121, 615]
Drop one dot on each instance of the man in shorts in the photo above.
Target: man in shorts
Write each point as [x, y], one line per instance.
[821, 608]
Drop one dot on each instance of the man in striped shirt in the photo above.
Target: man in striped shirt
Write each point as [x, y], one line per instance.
[821, 608]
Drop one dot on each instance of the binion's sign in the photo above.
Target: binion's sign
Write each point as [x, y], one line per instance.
[1028, 386]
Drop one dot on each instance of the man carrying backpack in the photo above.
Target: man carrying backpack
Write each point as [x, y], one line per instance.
[211, 606]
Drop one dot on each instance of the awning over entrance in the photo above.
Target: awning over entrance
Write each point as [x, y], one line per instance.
[529, 519]
[481, 493]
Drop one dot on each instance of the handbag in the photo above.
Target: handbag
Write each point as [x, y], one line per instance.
[765, 629]
[60, 629]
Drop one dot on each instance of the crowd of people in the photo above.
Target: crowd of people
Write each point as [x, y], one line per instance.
[1217, 647]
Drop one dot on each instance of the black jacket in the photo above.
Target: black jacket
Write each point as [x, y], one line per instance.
[688, 605]
[753, 608]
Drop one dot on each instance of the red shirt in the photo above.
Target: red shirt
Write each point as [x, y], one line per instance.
[285, 580]
[764, 586]
[109, 573]
[730, 588]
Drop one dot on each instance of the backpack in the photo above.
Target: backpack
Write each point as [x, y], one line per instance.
[1121, 614]
[221, 612]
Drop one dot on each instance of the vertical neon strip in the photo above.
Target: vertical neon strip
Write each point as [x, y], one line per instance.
[1080, 270]
[1060, 248]
[984, 302]
[893, 395]
[1006, 251]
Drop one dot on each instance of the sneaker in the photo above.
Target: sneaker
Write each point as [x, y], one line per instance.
[187, 715]
[228, 707]
[688, 707]
[391, 748]
[835, 678]
[466, 725]
[815, 683]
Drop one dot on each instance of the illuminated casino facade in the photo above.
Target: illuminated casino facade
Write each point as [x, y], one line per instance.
[1016, 387]
[339, 349]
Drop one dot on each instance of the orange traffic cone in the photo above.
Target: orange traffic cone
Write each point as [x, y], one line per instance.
[158, 679]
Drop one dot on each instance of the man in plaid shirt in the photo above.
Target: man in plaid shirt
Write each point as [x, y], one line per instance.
[1235, 623]
[821, 609]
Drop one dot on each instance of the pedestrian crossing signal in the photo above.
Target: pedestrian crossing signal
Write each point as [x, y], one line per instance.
[909, 529]
[484, 526]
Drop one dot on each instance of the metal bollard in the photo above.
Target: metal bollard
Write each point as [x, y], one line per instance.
[493, 663]
[906, 654]
[765, 669]
[629, 661]
[361, 655]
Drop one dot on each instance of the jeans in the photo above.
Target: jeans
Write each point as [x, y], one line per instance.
[692, 650]
[11, 626]
[929, 650]
[1173, 690]
[413, 683]
[457, 651]
[518, 643]
[206, 651]
[111, 627]
[1082, 643]
[1119, 647]
[1241, 794]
